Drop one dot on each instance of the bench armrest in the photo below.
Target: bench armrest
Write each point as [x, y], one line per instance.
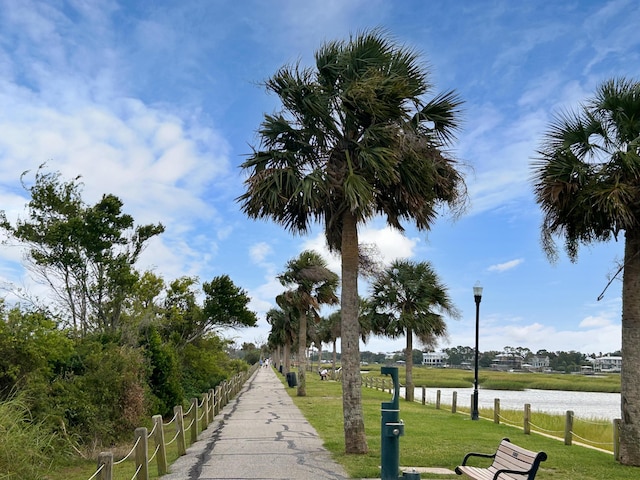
[474, 454]
[508, 472]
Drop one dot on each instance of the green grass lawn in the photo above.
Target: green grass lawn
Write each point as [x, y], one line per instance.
[438, 438]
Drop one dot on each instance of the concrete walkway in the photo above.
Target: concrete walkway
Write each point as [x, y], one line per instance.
[260, 434]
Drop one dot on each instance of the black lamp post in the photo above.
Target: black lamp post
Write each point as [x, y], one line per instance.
[477, 295]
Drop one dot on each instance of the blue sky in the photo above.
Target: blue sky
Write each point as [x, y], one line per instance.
[158, 103]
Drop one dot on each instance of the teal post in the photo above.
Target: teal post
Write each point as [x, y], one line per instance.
[391, 430]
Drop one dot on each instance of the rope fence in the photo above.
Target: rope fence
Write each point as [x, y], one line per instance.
[568, 433]
[199, 415]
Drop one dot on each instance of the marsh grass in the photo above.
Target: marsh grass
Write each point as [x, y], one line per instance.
[26, 447]
[455, 378]
[438, 438]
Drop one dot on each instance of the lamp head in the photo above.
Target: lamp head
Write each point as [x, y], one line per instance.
[477, 290]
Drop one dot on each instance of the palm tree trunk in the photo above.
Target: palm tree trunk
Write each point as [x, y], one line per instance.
[630, 387]
[334, 359]
[287, 358]
[278, 357]
[302, 356]
[354, 434]
[408, 357]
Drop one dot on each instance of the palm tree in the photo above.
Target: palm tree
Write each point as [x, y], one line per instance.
[355, 139]
[283, 328]
[409, 299]
[587, 182]
[315, 285]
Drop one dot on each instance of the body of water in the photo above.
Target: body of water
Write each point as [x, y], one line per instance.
[583, 404]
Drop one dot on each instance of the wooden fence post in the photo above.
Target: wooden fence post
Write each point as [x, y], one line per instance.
[194, 420]
[438, 396]
[616, 439]
[527, 419]
[424, 395]
[496, 410]
[105, 460]
[454, 401]
[142, 453]
[212, 401]
[568, 428]
[180, 440]
[158, 437]
[216, 403]
[205, 411]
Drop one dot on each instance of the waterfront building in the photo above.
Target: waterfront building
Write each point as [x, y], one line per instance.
[608, 364]
[434, 359]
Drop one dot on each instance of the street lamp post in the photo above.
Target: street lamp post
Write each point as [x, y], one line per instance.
[477, 295]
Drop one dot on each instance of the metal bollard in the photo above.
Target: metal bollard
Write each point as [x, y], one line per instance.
[392, 428]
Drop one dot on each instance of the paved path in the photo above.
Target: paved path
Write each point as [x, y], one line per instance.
[260, 434]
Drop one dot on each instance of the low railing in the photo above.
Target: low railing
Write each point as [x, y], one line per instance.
[568, 434]
[197, 418]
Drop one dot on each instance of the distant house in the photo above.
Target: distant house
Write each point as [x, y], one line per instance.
[434, 359]
[505, 361]
[607, 364]
[539, 364]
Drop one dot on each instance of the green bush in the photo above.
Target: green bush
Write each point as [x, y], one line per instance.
[164, 372]
[103, 398]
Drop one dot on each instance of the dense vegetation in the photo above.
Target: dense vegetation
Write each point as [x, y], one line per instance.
[109, 346]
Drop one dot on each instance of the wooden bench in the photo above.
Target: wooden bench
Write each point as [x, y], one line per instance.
[510, 462]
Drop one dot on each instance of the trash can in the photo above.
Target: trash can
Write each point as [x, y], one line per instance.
[280, 368]
[292, 381]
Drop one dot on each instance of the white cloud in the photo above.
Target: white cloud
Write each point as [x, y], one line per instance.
[595, 322]
[259, 252]
[502, 267]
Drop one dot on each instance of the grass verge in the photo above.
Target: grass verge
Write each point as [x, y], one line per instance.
[438, 438]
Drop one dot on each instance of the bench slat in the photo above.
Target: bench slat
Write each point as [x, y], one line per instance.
[507, 457]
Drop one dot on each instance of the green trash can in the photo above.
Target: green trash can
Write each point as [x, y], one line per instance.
[292, 381]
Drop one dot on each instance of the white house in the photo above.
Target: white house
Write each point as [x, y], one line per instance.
[607, 364]
[434, 359]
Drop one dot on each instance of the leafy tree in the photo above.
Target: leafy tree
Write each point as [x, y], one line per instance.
[355, 139]
[84, 254]
[587, 182]
[205, 364]
[225, 305]
[164, 374]
[416, 357]
[460, 354]
[409, 299]
[314, 285]
[184, 320]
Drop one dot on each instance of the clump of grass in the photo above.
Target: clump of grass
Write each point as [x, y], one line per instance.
[26, 447]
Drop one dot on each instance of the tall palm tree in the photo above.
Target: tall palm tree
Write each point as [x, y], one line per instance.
[334, 327]
[409, 299]
[283, 327]
[355, 139]
[587, 182]
[315, 285]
